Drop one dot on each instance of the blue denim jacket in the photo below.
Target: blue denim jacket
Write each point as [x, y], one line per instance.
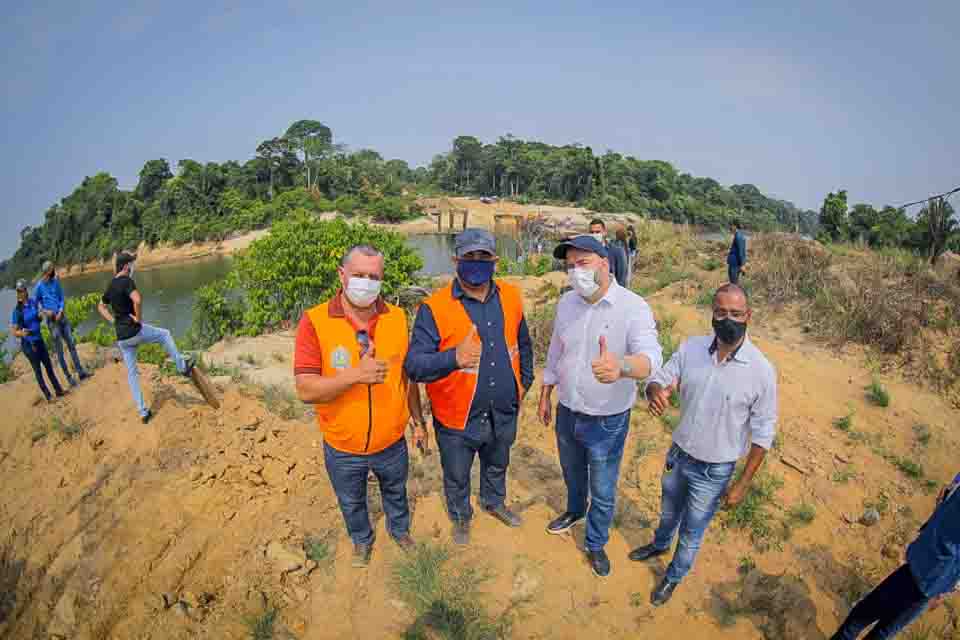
[738, 250]
[934, 557]
[49, 294]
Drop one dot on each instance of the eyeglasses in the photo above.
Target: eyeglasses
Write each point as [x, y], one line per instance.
[363, 339]
[736, 314]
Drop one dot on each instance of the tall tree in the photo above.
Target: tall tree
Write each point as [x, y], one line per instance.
[833, 216]
[273, 152]
[153, 175]
[941, 225]
[314, 140]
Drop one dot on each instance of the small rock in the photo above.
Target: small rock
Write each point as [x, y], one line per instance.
[284, 559]
[525, 584]
[96, 443]
[167, 600]
[870, 517]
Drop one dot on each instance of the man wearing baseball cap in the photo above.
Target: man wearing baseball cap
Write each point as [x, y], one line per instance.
[471, 347]
[49, 295]
[25, 324]
[121, 305]
[604, 341]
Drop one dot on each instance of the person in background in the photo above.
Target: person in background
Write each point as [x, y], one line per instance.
[615, 256]
[604, 340]
[25, 324]
[471, 347]
[930, 574]
[121, 306]
[622, 242]
[49, 295]
[737, 257]
[728, 399]
[348, 363]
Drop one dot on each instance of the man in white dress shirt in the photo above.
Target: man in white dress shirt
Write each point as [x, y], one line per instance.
[728, 395]
[604, 341]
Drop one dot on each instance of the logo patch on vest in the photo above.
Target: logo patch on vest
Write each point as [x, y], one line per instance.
[341, 358]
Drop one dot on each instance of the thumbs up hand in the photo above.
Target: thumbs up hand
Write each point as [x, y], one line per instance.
[606, 368]
[370, 370]
[468, 351]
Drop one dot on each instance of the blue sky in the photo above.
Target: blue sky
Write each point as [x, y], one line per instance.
[799, 98]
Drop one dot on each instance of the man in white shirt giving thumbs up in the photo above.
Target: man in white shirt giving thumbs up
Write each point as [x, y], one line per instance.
[604, 341]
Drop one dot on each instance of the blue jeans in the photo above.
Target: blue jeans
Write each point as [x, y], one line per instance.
[62, 332]
[895, 603]
[691, 494]
[456, 457]
[733, 273]
[591, 448]
[348, 474]
[148, 335]
[37, 354]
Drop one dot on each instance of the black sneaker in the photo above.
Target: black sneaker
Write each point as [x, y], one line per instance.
[646, 552]
[599, 562]
[72, 382]
[461, 532]
[504, 515]
[662, 594]
[564, 523]
[61, 393]
[84, 375]
[145, 419]
[361, 556]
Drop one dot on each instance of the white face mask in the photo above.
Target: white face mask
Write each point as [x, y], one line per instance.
[363, 292]
[600, 237]
[583, 281]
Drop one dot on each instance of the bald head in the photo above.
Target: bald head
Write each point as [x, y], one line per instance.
[732, 291]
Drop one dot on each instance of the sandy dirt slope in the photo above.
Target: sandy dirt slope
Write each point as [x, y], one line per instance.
[194, 525]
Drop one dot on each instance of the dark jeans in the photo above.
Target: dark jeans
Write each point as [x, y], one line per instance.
[893, 604]
[456, 456]
[733, 273]
[691, 493]
[62, 332]
[348, 474]
[37, 354]
[591, 448]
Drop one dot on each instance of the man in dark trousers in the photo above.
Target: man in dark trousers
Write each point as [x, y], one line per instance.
[931, 572]
[737, 258]
[471, 347]
[615, 255]
[49, 295]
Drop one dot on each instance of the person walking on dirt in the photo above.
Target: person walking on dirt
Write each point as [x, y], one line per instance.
[121, 305]
[348, 363]
[615, 256]
[471, 346]
[737, 257]
[49, 295]
[25, 324]
[728, 395]
[930, 574]
[604, 340]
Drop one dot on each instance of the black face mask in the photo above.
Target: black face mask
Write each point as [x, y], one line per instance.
[729, 331]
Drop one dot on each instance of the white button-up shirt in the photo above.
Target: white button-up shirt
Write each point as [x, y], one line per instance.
[725, 406]
[626, 321]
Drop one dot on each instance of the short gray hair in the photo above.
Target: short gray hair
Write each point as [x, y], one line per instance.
[363, 249]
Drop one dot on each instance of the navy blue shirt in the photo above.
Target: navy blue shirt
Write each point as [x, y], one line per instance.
[27, 316]
[934, 557]
[617, 256]
[495, 402]
[738, 250]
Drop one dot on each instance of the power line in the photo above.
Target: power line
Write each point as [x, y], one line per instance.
[939, 195]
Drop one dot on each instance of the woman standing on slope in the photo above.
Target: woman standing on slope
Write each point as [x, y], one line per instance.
[25, 324]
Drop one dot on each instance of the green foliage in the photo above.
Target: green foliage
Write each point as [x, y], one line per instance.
[844, 423]
[5, 373]
[670, 421]
[79, 308]
[845, 475]
[746, 565]
[445, 596]
[803, 513]
[711, 264]
[261, 626]
[317, 549]
[878, 394]
[922, 432]
[753, 513]
[528, 265]
[102, 335]
[217, 312]
[907, 467]
[834, 221]
[540, 324]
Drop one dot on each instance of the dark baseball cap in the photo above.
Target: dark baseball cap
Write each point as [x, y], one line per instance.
[475, 240]
[124, 258]
[584, 243]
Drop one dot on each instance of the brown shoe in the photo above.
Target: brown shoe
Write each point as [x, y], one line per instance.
[361, 556]
[405, 542]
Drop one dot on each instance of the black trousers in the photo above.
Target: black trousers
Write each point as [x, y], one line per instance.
[37, 354]
[893, 604]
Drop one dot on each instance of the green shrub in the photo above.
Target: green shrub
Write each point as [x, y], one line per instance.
[753, 514]
[5, 373]
[711, 264]
[844, 423]
[217, 312]
[922, 432]
[803, 513]
[295, 267]
[877, 394]
[526, 266]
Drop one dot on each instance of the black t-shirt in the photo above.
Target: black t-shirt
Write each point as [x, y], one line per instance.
[117, 296]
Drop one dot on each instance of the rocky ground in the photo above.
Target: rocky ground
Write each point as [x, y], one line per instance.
[222, 524]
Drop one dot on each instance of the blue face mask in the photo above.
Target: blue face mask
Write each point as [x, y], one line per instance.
[476, 272]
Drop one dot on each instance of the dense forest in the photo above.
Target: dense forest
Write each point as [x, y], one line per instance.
[306, 170]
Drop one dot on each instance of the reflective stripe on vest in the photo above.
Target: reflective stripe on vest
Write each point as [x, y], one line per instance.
[365, 419]
[452, 396]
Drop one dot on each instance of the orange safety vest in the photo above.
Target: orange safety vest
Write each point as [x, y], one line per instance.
[365, 419]
[451, 397]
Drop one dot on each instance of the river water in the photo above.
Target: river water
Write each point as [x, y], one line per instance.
[168, 291]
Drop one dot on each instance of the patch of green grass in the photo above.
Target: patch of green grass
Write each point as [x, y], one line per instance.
[753, 513]
[907, 467]
[711, 264]
[445, 596]
[261, 627]
[845, 475]
[704, 298]
[40, 431]
[283, 403]
[878, 394]
[637, 599]
[922, 432]
[670, 421]
[844, 423]
[668, 275]
[316, 549]
[802, 514]
[881, 504]
[675, 399]
[746, 565]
